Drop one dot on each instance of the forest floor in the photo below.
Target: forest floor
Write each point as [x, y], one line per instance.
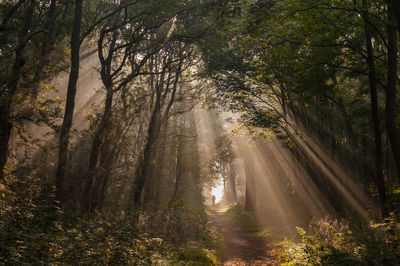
[241, 245]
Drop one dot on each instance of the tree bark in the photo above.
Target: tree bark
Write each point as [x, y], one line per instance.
[70, 102]
[379, 179]
[391, 90]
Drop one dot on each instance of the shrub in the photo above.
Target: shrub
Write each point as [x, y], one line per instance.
[331, 242]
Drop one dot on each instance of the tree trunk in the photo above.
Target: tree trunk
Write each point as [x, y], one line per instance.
[107, 160]
[390, 113]
[5, 131]
[379, 179]
[160, 158]
[250, 189]
[144, 168]
[6, 97]
[70, 102]
[396, 11]
[88, 199]
[178, 171]
[232, 182]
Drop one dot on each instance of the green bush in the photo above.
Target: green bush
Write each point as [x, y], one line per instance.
[237, 213]
[331, 242]
[33, 230]
[195, 256]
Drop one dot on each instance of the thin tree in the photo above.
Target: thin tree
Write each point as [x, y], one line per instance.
[391, 89]
[379, 179]
[70, 102]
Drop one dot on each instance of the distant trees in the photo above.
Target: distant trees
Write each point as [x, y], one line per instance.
[147, 63]
[124, 47]
[330, 67]
[171, 72]
[325, 71]
[222, 167]
[311, 61]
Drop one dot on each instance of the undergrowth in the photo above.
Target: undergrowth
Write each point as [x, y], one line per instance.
[237, 213]
[34, 231]
[332, 242]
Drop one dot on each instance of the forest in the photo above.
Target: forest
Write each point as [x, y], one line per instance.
[199, 132]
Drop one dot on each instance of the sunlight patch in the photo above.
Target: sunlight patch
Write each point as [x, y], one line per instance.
[218, 191]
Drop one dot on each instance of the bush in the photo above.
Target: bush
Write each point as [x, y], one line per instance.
[34, 231]
[195, 256]
[237, 213]
[331, 242]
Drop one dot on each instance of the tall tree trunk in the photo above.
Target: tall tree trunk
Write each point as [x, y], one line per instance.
[379, 179]
[232, 182]
[144, 168]
[107, 160]
[250, 204]
[390, 114]
[160, 158]
[178, 171]
[7, 94]
[88, 199]
[70, 102]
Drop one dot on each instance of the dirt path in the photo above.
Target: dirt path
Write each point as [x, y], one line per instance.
[241, 246]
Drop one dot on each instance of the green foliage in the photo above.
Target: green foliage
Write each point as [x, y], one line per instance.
[102, 242]
[33, 230]
[332, 243]
[237, 213]
[192, 256]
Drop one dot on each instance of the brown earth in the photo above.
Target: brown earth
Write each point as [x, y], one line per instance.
[242, 247]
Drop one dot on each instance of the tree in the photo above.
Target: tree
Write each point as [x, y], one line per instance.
[10, 83]
[375, 112]
[70, 102]
[135, 47]
[391, 89]
[222, 166]
[165, 71]
[297, 64]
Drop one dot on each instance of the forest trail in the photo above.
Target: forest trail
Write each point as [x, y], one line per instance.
[242, 247]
